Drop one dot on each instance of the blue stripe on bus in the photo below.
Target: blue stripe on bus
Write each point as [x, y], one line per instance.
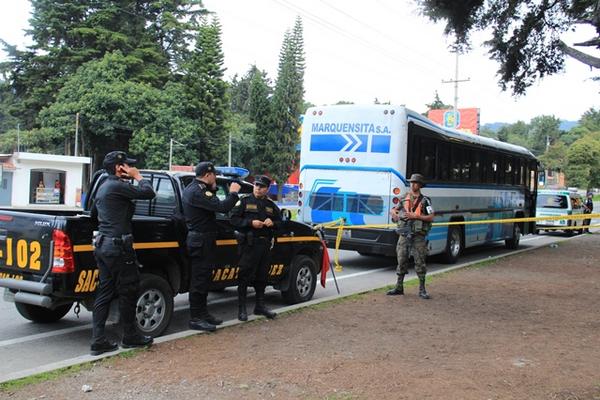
[327, 142]
[380, 144]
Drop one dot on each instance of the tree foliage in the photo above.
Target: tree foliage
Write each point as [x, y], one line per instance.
[583, 162]
[525, 34]
[152, 36]
[205, 93]
[287, 106]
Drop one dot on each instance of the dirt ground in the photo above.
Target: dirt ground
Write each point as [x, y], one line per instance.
[523, 327]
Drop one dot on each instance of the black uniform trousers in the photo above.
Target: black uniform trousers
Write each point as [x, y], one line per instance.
[119, 276]
[254, 263]
[202, 251]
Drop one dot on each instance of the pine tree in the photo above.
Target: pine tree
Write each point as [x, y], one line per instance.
[206, 93]
[287, 106]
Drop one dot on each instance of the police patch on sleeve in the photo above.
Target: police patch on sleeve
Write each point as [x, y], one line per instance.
[429, 210]
[208, 194]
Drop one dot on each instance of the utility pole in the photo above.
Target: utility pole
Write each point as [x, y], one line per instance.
[229, 158]
[456, 82]
[171, 150]
[76, 132]
[170, 153]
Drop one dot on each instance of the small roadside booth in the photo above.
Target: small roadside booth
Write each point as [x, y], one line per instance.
[33, 179]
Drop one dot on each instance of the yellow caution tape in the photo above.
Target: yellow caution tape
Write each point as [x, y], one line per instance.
[340, 226]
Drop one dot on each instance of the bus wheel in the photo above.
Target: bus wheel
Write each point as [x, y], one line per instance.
[453, 245]
[303, 280]
[513, 242]
[154, 306]
[41, 314]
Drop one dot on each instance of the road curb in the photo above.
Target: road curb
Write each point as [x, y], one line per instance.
[183, 334]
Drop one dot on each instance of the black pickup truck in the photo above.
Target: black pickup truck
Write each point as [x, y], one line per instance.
[47, 264]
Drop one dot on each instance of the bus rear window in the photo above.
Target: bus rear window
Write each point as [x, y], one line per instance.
[552, 201]
[347, 202]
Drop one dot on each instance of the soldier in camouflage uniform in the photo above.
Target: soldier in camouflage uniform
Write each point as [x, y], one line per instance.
[414, 216]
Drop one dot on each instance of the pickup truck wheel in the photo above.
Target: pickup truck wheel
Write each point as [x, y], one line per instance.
[154, 306]
[303, 280]
[41, 314]
[453, 245]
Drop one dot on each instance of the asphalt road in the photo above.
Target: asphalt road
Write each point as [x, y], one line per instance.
[27, 347]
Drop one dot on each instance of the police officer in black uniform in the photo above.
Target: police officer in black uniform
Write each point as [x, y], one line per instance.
[200, 205]
[256, 218]
[113, 250]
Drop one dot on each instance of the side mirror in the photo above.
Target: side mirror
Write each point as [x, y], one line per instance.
[286, 215]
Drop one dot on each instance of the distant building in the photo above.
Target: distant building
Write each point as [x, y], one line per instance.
[32, 179]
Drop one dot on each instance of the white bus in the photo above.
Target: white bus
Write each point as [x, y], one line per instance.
[355, 161]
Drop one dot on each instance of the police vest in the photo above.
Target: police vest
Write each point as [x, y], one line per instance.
[417, 226]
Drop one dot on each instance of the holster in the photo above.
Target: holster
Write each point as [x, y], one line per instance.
[240, 237]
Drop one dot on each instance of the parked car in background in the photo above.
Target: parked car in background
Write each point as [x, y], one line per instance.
[552, 203]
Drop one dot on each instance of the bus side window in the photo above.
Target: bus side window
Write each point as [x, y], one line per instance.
[443, 162]
[455, 163]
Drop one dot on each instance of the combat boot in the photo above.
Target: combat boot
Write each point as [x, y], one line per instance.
[200, 316]
[213, 320]
[242, 313]
[199, 324]
[103, 346]
[260, 308]
[136, 340]
[422, 292]
[399, 289]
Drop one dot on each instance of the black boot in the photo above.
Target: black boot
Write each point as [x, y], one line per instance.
[399, 289]
[136, 340]
[422, 292]
[102, 346]
[200, 316]
[260, 308]
[213, 320]
[242, 313]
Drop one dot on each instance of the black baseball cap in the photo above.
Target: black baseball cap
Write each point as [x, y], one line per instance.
[117, 157]
[262, 180]
[204, 167]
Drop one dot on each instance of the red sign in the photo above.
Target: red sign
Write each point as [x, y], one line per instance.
[465, 119]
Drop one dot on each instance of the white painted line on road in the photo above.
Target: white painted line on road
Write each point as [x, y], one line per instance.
[45, 335]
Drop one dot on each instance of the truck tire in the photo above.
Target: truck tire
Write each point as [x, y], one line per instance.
[41, 314]
[154, 306]
[453, 245]
[303, 280]
[513, 242]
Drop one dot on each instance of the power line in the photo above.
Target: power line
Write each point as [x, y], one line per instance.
[384, 34]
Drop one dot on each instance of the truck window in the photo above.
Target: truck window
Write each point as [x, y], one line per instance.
[165, 202]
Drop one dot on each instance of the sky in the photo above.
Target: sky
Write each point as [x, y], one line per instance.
[358, 51]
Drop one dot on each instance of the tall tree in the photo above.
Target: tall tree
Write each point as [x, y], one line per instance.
[583, 162]
[525, 34]
[544, 130]
[205, 93]
[152, 35]
[287, 106]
